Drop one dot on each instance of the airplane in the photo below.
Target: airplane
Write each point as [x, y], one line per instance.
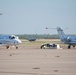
[32, 39]
[9, 40]
[70, 40]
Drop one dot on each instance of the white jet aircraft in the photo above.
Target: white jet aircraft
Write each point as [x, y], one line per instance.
[9, 40]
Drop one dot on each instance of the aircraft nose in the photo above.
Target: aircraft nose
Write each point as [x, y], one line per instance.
[19, 41]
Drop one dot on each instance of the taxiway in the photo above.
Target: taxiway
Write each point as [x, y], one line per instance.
[35, 61]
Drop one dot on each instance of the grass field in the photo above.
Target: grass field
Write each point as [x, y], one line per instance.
[39, 42]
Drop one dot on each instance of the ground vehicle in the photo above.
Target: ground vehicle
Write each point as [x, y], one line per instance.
[48, 45]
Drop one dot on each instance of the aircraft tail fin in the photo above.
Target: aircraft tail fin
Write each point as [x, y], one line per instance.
[61, 33]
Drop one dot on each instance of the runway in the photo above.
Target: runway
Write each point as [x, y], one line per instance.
[35, 61]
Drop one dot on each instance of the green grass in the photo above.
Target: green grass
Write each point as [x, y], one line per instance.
[39, 42]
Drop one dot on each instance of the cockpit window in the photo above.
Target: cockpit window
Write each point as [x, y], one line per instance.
[11, 37]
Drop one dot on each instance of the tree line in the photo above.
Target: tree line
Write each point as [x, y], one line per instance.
[38, 36]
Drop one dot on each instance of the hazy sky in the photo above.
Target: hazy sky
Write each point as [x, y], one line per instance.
[33, 16]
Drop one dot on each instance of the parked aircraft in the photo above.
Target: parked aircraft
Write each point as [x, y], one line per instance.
[32, 39]
[9, 40]
[70, 40]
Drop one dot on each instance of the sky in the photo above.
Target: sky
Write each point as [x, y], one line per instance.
[33, 16]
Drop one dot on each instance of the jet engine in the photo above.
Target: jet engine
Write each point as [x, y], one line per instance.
[68, 39]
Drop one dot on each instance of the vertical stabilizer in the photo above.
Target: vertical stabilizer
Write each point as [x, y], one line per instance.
[61, 34]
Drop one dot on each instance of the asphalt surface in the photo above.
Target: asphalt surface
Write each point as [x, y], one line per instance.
[35, 61]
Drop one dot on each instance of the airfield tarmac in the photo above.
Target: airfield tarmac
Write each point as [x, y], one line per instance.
[35, 61]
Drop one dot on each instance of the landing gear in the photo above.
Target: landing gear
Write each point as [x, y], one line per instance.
[69, 46]
[7, 47]
[74, 46]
